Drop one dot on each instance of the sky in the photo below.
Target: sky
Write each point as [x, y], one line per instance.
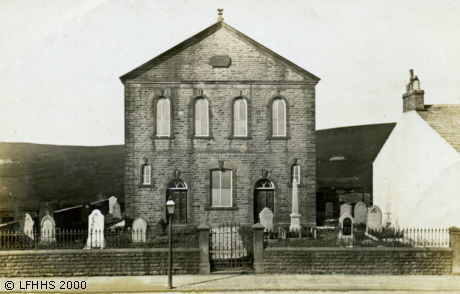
[60, 61]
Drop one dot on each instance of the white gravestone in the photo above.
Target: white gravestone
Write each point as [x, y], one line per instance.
[360, 213]
[329, 210]
[27, 226]
[116, 210]
[346, 229]
[139, 233]
[295, 216]
[112, 201]
[48, 229]
[344, 208]
[95, 230]
[266, 219]
[374, 218]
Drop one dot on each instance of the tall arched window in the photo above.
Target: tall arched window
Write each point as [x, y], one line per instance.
[163, 117]
[278, 118]
[146, 174]
[240, 118]
[201, 117]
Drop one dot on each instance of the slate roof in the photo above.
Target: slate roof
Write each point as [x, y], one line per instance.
[444, 119]
[207, 32]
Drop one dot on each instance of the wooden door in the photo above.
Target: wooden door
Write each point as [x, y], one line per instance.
[180, 198]
[262, 199]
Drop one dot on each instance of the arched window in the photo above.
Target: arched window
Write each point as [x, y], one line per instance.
[240, 118]
[201, 117]
[163, 117]
[221, 188]
[278, 118]
[146, 174]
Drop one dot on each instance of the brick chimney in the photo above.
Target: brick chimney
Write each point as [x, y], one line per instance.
[413, 98]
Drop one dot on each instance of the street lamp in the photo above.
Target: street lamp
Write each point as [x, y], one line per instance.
[170, 205]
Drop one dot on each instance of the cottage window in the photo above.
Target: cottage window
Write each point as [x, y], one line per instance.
[146, 174]
[221, 188]
[201, 117]
[163, 117]
[278, 118]
[240, 118]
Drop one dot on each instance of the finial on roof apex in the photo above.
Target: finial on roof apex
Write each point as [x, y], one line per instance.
[220, 18]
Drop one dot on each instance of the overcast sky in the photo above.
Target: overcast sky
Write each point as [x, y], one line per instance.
[61, 60]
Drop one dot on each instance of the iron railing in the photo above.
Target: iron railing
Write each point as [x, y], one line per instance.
[78, 239]
[231, 246]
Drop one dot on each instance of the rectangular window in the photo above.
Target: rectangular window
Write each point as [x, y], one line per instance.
[221, 188]
[146, 175]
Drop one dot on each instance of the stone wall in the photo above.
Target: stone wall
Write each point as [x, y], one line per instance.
[107, 262]
[359, 261]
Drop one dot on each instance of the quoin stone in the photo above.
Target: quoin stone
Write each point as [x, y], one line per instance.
[329, 210]
[139, 230]
[266, 219]
[374, 218]
[95, 230]
[360, 213]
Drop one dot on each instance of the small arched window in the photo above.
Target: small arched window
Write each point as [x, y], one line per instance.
[278, 118]
[201, 117]
[163, 117]
[146, 174]
[240, 118]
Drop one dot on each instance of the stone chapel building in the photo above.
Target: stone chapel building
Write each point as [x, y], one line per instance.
[223, 125]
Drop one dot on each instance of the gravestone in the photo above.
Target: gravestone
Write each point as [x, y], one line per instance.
[266, 219]
[112, 201]
[86, 210]
[346, 236]
[48, 229]
[95, 230]
[344, 208]
[116, 210]
[44, 211]
[329, 210]
[360, 213]
[374, 218]
[26, 226]
[139, 230]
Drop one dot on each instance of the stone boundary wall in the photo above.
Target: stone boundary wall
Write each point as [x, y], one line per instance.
[97, 262]
[359, 261]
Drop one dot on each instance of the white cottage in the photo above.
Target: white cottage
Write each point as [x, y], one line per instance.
[417, 172]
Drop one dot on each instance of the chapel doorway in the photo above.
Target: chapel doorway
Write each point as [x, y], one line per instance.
[177, 189]
[264, 196]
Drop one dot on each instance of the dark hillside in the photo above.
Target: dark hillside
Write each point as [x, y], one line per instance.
[34, 174]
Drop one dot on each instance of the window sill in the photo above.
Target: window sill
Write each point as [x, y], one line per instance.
[202, 137]
[163, 137]
[221, 208]
[279, 138]
[239, 138]
[146, 186]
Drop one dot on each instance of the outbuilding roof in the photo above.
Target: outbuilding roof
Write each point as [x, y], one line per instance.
[444, 119]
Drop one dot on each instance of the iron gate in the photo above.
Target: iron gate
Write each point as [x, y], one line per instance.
[231, 247]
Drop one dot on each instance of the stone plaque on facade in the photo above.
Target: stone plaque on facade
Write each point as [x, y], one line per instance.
[95, 230]
[221, 61]
[27, 226]
[139, 230]
[374, 217]
[266, 219]
[360, 213]
[47, 229]
[329, 210]
[344, 208]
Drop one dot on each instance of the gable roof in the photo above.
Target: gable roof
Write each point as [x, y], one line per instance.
[444, 119]
[207, 32]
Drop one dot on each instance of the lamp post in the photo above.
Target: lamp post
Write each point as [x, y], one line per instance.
[170, 205]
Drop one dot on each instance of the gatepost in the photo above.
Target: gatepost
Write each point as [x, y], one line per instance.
[205, 266]
[454, 243]
[259, 265]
